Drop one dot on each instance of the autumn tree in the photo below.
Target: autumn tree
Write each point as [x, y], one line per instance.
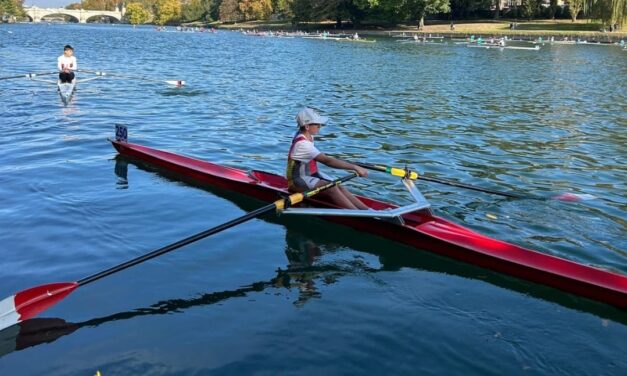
[255, 9]
[136, 14]
[167, 11]
[229, 11]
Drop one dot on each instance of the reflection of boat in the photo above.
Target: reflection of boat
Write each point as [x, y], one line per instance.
[413, 225]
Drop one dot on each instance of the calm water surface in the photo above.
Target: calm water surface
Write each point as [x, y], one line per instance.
[297, 295]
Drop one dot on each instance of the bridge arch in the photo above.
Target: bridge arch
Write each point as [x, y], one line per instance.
[36, 14]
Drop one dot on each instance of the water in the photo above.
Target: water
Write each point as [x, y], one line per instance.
[297, 295]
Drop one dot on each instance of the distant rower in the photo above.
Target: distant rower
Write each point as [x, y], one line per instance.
[67, 65]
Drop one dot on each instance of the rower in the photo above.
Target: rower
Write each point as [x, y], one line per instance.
[67, 65]
[302, 170]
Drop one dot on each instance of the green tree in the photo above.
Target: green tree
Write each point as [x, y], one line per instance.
[11, 8]
[255, 9]
[283, 8]
[609, 11]
[302, 11]
[168, 11]
[354, 10]
[416, 10]
[229, 11]
[136, 14]
[193, 10]
[574, 7]
[530, 8]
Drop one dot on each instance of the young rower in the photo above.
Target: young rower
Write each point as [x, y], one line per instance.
[67, 65]
[302, 171]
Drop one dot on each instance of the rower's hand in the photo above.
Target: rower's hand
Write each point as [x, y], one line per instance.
[361, 171]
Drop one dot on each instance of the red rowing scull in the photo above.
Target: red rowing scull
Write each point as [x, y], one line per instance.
[419, 228]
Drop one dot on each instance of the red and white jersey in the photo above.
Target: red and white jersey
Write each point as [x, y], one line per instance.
[64, 62]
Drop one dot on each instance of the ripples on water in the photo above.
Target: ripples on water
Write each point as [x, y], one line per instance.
[536, 122]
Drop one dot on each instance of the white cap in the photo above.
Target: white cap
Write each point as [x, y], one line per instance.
[310, 116]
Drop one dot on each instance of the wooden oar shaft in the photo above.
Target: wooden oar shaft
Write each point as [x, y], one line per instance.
[277, 205]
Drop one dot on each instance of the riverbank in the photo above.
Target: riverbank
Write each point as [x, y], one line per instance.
[524, 29]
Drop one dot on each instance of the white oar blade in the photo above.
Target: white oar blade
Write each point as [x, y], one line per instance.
[175, 82]
[8, 313]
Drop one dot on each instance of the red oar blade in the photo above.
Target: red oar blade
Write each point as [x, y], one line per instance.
[29, 303]
[573, 197]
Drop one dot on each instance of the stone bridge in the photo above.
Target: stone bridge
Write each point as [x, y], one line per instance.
[36, 13]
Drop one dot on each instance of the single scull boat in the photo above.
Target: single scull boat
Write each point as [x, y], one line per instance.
[414, 225]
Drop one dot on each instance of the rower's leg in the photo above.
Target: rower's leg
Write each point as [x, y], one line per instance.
[354, 200]
[336, 196]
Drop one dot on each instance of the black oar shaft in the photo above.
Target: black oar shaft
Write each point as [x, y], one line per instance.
[26, 75]
[176, 245]
[414, 175]
[279, 204]
[479, 189]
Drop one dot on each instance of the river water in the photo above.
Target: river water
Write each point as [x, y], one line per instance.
[291, 295]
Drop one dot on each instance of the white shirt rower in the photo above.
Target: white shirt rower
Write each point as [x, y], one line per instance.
[66, 62]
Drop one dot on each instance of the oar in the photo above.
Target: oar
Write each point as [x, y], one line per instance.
[170, 82]
[28, 303]
[400, 172]
[27, 75]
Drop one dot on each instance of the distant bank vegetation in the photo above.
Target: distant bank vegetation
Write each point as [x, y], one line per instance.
[354, 12]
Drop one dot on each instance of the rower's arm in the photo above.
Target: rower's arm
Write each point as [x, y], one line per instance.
[338, 163]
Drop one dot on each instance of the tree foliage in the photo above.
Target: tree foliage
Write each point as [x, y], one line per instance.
[136, 14]
[11, 8]
[574, 7]
[100, 4]
[229, 11]
[168, 11]
[255, 9]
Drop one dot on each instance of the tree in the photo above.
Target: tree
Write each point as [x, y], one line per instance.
[416, 10]
[99, 4]
[530, 8]
[255, 9]
[136, 14]
[609, 11]
[195, 10]
[552, 8]
[229, 11]
[11, 8]
[167, 11]
[354, 10]
[283, 8]
[574, 7]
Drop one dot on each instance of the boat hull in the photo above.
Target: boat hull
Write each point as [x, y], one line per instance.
[421, 229]
[66, 91]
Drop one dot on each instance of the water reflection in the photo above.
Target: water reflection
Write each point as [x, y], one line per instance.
[300, 274]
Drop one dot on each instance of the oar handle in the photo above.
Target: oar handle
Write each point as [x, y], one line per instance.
[401, 173]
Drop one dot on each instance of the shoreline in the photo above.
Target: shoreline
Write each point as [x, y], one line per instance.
[526, 30]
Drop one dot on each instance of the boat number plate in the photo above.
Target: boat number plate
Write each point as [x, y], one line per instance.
[121, 133]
